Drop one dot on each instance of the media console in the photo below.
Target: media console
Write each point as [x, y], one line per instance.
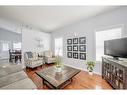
[114, 72]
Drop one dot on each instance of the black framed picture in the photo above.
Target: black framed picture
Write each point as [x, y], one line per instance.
[69, 41]
[69, 54]
[75, 47]
[75, 55]
[83, 56]
[75, 40]
[82, 40]
[69, 48]
[82, 48]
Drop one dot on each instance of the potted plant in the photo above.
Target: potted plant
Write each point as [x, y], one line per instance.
[58, 64]
[90, 66]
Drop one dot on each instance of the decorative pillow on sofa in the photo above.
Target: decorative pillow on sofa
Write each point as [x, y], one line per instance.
[35, 56]
[29, 54]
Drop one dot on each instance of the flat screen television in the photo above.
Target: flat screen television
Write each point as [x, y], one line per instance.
[116, 48]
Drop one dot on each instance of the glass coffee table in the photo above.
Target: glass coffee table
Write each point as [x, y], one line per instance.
[57, 80]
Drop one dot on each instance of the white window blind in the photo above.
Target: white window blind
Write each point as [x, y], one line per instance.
[59, 46]
[5, 46]
[17, 45]
[101, 36]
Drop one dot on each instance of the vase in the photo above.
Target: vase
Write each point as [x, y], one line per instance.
[90, 73]
[58, 69]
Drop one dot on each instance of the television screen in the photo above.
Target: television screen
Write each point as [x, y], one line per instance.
[116, 47]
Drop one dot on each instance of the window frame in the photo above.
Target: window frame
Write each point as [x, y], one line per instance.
[16, 48]
[55, 46]
[7, 42]
[103, 29]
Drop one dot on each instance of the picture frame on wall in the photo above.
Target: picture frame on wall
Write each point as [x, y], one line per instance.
[75, 55]
[75, 40]
[82, 48]
[69, 48]
[69, 54]
[75, 47]
[69, 41]
[82, 56]
[82, 40]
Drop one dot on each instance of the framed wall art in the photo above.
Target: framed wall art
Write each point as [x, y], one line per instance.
[75, 47]
[82, 40]
[75, 55]
[69, 54]
[69, 48]
[69, 41]
[82, 48]
[82, 56]
[75, 40]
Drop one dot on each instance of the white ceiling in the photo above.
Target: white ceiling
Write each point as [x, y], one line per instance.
[50, 18]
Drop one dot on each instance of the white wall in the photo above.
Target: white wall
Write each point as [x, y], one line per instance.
[10, 25]
[10, 37]
[29, 42]
[87, 28]
[28, 36]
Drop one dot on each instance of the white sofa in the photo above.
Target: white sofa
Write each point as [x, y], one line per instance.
[13, 77]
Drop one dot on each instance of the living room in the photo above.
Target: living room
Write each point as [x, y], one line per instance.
[48, 41]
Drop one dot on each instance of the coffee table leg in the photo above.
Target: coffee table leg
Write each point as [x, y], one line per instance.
[71, 80]
[43, 81]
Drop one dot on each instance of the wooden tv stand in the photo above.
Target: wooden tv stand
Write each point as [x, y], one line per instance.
[114, 72]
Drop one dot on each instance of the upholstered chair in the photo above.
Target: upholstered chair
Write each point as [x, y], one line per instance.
[32, 60]
[49, 57]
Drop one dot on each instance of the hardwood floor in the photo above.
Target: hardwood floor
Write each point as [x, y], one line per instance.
[81, 81]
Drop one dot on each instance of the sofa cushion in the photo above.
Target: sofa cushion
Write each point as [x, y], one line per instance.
[36, 63]
[6, 80]
[35, 56]
[9, 69]
[22, 84]
[29, 54]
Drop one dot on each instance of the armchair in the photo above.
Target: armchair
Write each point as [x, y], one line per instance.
[48, 57]
[32, 60]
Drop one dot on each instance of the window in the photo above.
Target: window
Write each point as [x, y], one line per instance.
[101, 36]
[59, 46]
[5, 46]
[17, 45]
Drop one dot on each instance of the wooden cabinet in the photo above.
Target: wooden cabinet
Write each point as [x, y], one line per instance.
[115, 72]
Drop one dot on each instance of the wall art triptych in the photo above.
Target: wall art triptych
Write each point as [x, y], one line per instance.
[76, 48]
